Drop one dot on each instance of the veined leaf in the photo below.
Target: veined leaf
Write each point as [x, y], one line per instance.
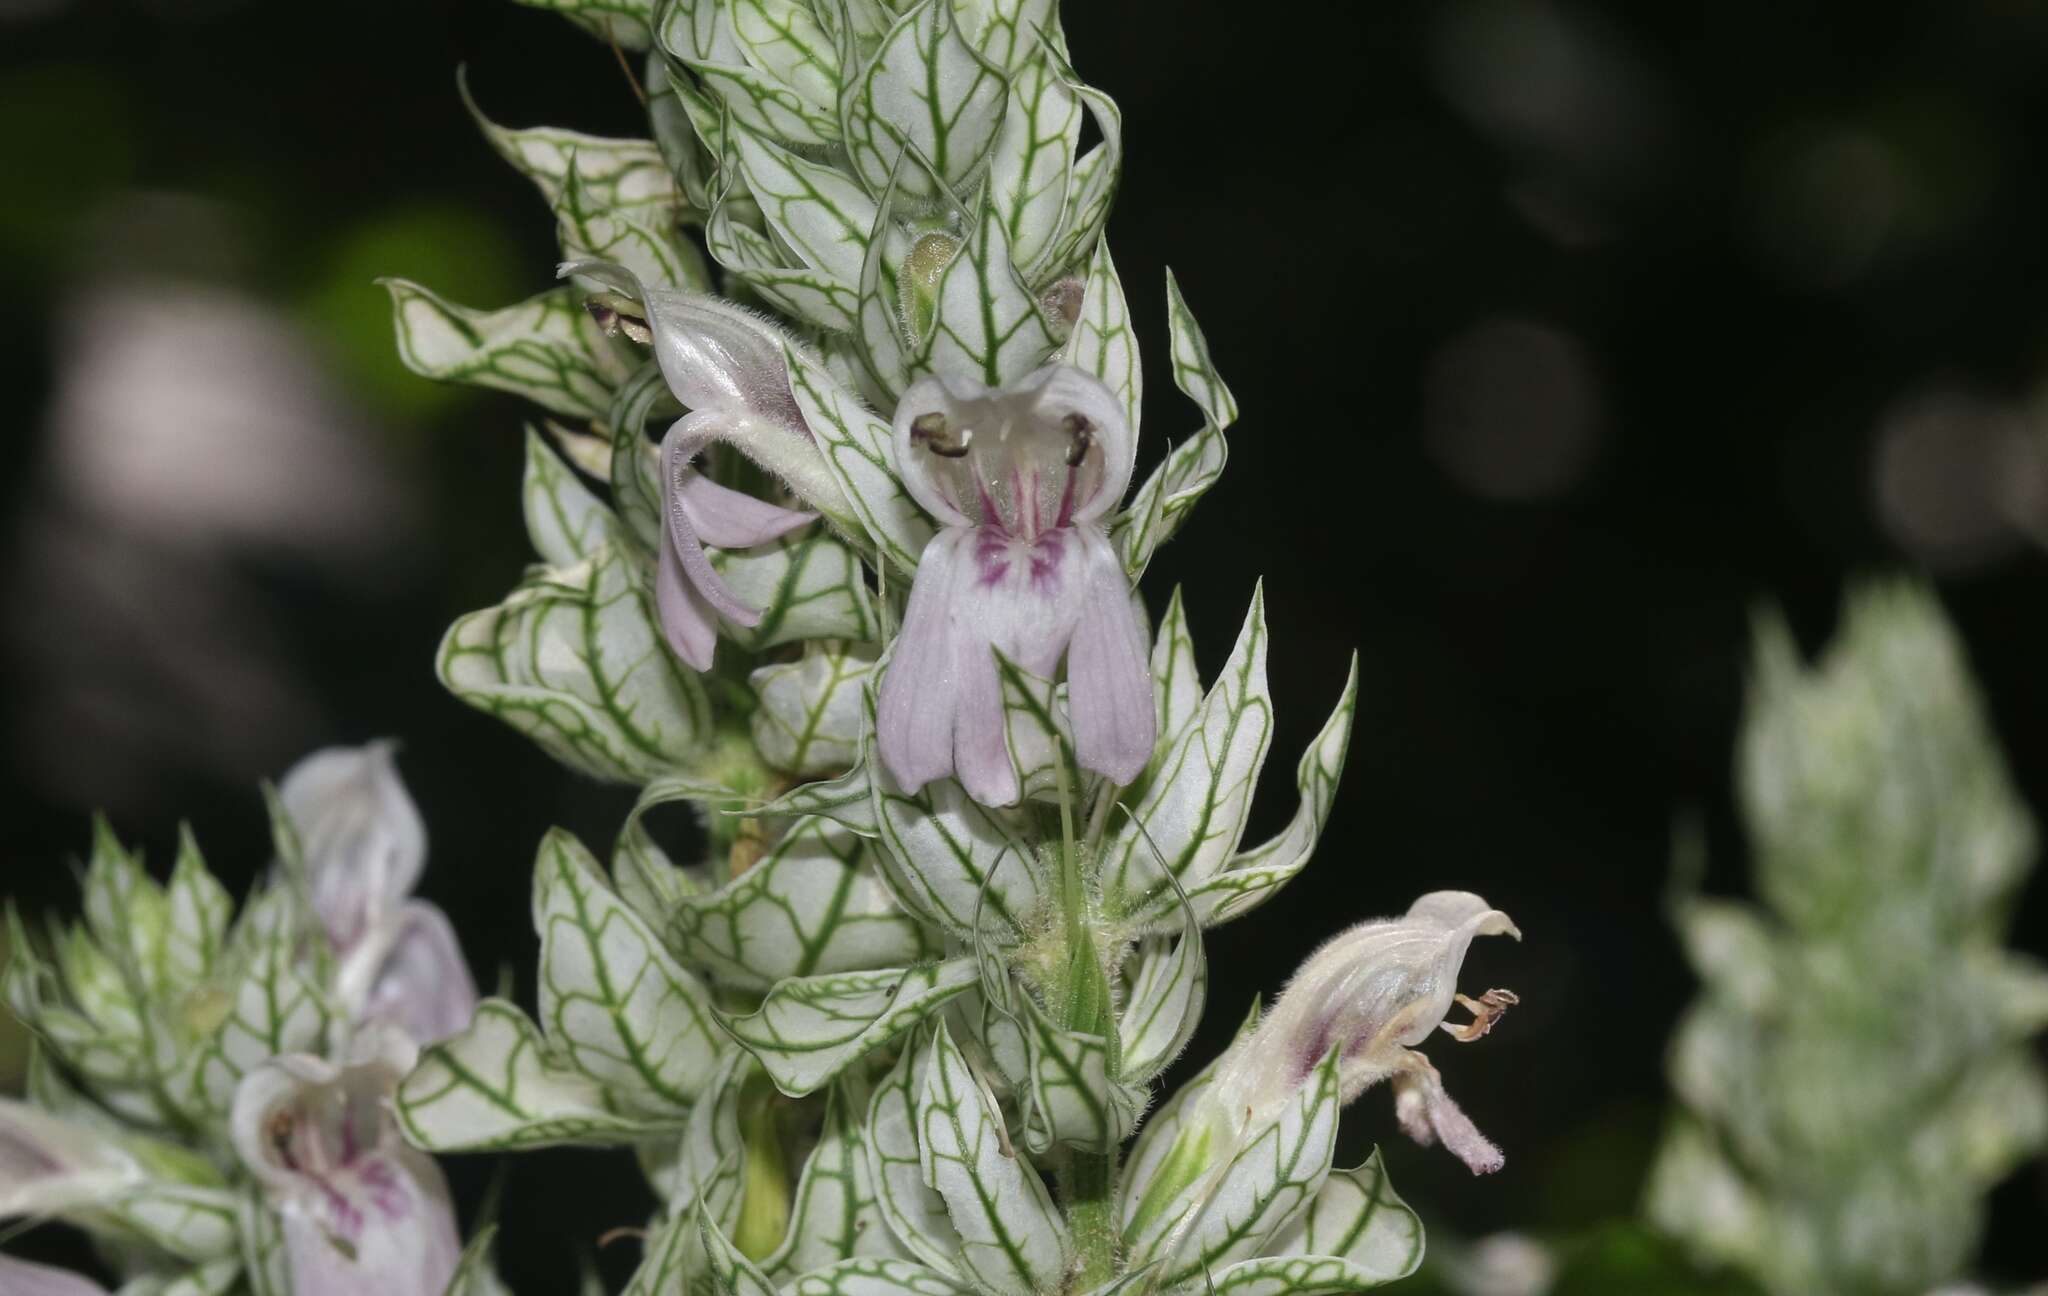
[846, 801]
[1165, 1000]
[275, 1002]
[762, 104]
[881, 339]
[613, 1000]
[810, 907]
[915, 1212]
[565, 519]
[1038, 734]
[856, 445]
[625, 174]
[876, 1276]
[628, 22]
[1008, 33]
[817, 212]
[809, 1029]
[1195, 805]
[834, 1217]
[732, 1274]
[1356, 1234]
[546, 349]
[196, 929]
[1103, 342]
[807, 585]
[796, 290]
[1175, 1150]
[497, 1086]
[1012, 1241]
[1076, 1095]
[574, 659]
[1175, 678]
[1275, 1169]
[637, 495]
[783, 39]
[1034, 159]
[645, 240]
[988, 328]
[810, 716]
[265, 1264]
[1251, 877]
[1191, 468]
[950, 861]
[1092, 185]
[925, 89]
[705, 1169]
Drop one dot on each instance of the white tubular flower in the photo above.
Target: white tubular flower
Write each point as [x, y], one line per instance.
[397, 959]
[725, 364]
[362, 1213]
[1372, 994]
[1020, 478]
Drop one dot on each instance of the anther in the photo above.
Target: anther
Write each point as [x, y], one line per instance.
[1082, 433]
[936, 435]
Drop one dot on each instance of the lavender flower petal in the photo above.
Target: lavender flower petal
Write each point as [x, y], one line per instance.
[362, 837]
[424, 987]
[1109, 669]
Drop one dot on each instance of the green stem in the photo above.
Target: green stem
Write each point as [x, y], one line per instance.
[1088, 1188]
[1088, 1180]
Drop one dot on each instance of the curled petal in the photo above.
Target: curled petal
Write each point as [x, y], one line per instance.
[362, 837]
[1428, 1114]
[423, 986]
[21, 1278]
[687, 619]
[689, 435]
[1109, 669]
[730, 519]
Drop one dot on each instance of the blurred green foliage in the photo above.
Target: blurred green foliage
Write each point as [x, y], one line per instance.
[1857, 1072]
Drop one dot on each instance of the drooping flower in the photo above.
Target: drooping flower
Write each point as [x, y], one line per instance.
[726, 366]
[1373, 993]
[360, 1211]
[1020, 478]
[397, 958]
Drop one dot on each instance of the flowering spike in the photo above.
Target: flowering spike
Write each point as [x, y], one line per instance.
[1019, 478]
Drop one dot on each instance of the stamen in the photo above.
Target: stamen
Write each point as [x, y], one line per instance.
[616, 314]
[1486, 1010]
[936, 435]
[1081, 432]
[279, 1128]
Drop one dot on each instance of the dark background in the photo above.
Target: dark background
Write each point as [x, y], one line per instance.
[1565, 336]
